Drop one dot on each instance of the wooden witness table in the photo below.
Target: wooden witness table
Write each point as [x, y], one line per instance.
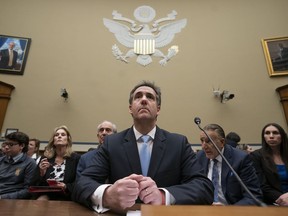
[44, 208]
[183, 210]
[69, 208]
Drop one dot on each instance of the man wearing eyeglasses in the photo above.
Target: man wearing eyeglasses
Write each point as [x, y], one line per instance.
[16, 168]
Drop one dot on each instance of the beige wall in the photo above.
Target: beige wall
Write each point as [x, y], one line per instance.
[71, 48]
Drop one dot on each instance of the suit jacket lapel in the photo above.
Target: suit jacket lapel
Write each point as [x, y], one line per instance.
[206, 164]
[204, 161]
[157, 152]
[68, 166]
[225, 173]
[131, 151]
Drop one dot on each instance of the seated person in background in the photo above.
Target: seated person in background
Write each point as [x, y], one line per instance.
[33, 148]
[3, 150]
[245, 147]
[16, 168]
[271, 162]
[228, 191]
[171, 176]
[232, 139]
[103, 129]
[45, 152]
[58, 163]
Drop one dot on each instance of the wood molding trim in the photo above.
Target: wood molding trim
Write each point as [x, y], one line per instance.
[283, 93]
[5, 95]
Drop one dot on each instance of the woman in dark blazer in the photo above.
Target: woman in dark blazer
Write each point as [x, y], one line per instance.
[58, 165]
[271, 163]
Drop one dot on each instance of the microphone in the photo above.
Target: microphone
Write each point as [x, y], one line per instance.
[197, 121]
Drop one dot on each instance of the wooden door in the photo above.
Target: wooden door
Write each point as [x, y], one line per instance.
[5, 95]
[283, 93]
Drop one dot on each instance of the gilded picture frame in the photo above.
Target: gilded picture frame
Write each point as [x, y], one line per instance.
[14, 61]
[276, 55]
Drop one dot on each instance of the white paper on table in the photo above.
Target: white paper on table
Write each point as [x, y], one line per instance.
[133, 213]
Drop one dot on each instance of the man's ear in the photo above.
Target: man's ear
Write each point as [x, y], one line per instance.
[222, 142]
[22, 145]
[130, 111]
[158, 110]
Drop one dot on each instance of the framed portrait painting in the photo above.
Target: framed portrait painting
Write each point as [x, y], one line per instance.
[13, 54]
[276, 55]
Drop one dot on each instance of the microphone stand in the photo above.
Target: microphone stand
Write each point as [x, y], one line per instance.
[259, 203]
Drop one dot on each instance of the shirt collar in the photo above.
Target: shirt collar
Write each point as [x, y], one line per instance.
[138, 134]
[17, 157]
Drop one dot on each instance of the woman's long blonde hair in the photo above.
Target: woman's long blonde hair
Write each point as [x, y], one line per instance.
[50, 148]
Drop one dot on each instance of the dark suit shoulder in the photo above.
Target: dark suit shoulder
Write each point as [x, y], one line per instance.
[231, 150]
[121, 134]
[257, 153]
[167, 133]
[201, 158]
[89, 154]
[257, 156]
[201, 154]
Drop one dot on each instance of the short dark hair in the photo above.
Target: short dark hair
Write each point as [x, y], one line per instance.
[148, 84]
[19, 137]
[233, 136]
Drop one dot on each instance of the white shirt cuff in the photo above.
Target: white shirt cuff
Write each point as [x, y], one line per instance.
[97, 198]
[169, 199]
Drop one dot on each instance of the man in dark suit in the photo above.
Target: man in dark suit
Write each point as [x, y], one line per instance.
[105, 128]
[8, 57]
[174, 176]
[228, 191]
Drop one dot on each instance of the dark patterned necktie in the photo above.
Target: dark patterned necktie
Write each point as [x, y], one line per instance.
[215, 180]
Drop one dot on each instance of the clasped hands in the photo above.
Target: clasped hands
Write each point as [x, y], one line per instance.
[124, 192]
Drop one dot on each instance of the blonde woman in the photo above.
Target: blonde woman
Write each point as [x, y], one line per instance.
[58, 164]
